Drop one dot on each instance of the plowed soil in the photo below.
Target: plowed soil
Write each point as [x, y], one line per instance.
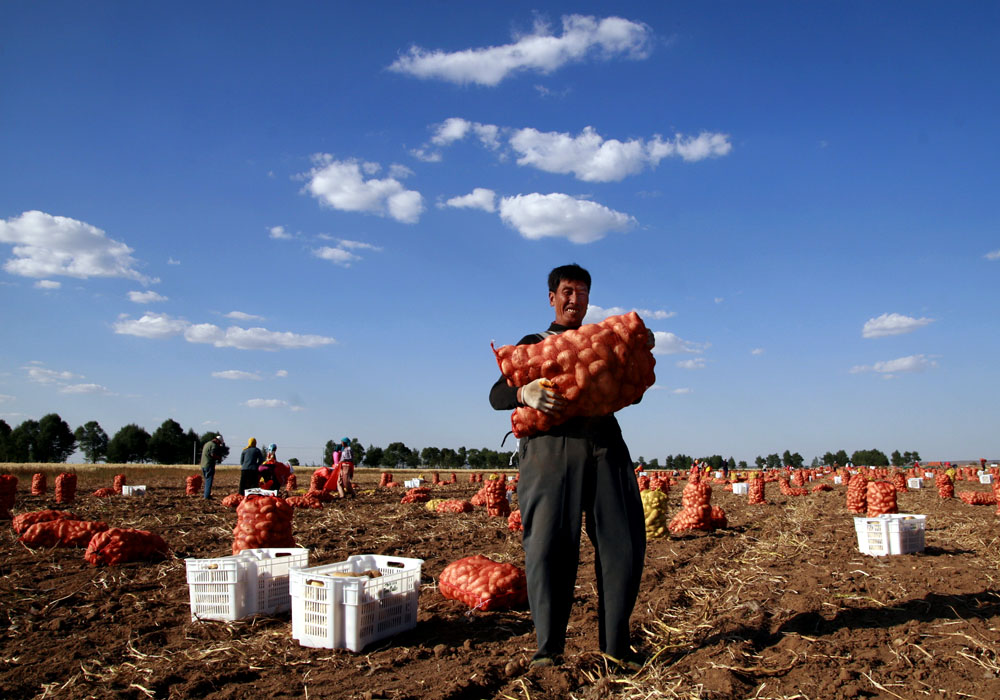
[781, 604]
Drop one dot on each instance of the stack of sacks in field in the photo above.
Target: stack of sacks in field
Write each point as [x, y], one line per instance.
[857, 494]
[495, 498]
[435, 479]
[118, 482]
[822, 487]
[798, 478]
[599, 368]
[291, 483]
[755, 490]
[118, 546]
[881, 498]
[978, 498]
[899, 481]
[309, 500]
[192, 485]
[789, 490]
[61, 532]
[697, 513]
[66, 488]
[263, 522]
[104, 492]
[8, 494]
[320, 476]
[39, 486]
[232, 500]
[945, 486]
[25, 520]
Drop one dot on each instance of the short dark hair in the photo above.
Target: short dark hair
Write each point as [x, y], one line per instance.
[570, 273]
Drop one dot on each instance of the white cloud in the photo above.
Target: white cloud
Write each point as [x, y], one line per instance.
[479, 198]
[49, 246]
[455, 129]
[596, 314]
[993, 255]
[426, 156]
[892, 324]
[145, 297]
[757, 351]
[719, 300]
[538, 51]
[681, 390]
[171, 261]
[5, 398]
[162, 326]
[279, 233]
[693, 363]
[150, 326]
[42, 375]
[47, 284]
[242, 316]
[911, 363]
[359, 245]
[399, 171]
[338, 256]
[342, 185]
[591, 158]
[537, 216]
[669, 344]
[84, 389]
[266, 403]
[281, 373]
[236, 374]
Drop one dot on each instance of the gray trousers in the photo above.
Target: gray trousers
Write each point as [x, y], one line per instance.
[563, 479]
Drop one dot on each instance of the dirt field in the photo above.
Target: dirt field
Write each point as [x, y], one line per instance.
[780, 605]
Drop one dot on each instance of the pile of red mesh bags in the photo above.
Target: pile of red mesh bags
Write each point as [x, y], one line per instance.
[484, 584]
[263, 522]
[599, 368]
[119, 546]
[62, 533]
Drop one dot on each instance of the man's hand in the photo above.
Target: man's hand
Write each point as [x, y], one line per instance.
[650, 339]
[542, 394]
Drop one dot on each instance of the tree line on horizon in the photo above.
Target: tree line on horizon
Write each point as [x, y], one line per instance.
[50, 439]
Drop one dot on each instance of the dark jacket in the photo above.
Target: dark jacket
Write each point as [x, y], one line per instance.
[251, 458]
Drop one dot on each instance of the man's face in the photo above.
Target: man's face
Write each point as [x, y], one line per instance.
[570, 302]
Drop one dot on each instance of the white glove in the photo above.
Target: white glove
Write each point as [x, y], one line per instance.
[542, 394]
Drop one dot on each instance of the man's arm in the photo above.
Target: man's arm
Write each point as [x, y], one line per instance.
[503, 397]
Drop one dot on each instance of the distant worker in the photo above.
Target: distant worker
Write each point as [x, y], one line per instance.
[345, 485]
[250, 459]
[211, 454]
[273, 474]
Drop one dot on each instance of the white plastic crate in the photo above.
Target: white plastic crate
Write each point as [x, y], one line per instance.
[740, 488]
[412, 483]
[133, 490]
[914, 483]
[928, 475]
[838, 480]
[333, 611]
[253, 582]
[985, 478]
[900, 533]
[260, 492]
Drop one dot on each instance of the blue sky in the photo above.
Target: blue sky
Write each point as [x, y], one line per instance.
[309, 221]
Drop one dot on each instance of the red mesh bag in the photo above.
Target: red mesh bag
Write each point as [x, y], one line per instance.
[420, 494]
[644, 483]
[192, 485]
[977, 498]
[321, 496]
[306, 501]
[118, 482]
[8, 493]
[996, 493]
[599, 368]
[119, 546]
[291, 483]
[39, 484]
[945, 486]
[822, 487]
[798, 478]
[454, 505]
[104, 492]
[66, 488]
[495, 498]
[232, 500]
[25, 520]
[755, 491]
[263, 522]
[857, 494]
[696, 511]
[514, 521]
[385, 479]
[899, 481]
[484, 584]
[881, 498]
[62, 533]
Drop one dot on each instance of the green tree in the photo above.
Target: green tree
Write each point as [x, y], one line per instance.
[654, 463]
[896, 459]
[731, 463]
[23, 442]
[396, 455]
[450, 458]
[56, 441]
[5, 431]
[328, 453]
[797, 460]
[293, 462]
[786, 458]
[93, 441]
[169, 444]
[129, 444]
[430, 456]
[373, 456]
[871, 458]
[773, 461]
[742, 464]
[841, 458]
[760, 462]
[682, 462]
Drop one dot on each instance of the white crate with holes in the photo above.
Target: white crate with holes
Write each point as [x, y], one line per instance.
[985, 478]
[900, 533]
[740, 488]
[260, 492]
[253, 582]
[133, 490]
[343, 606]
[914, 483]
[838, 480]
[412, 483]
